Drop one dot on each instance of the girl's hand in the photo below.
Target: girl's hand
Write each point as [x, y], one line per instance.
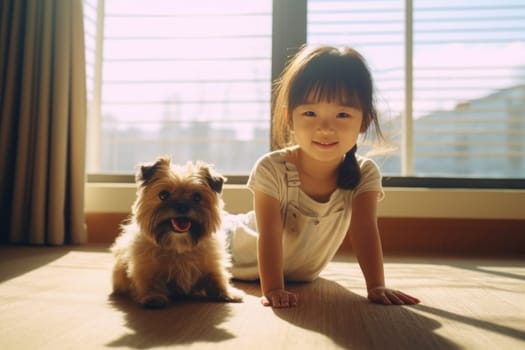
[279, 298]
[386, 296]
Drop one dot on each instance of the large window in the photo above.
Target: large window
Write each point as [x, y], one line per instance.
[194, 80]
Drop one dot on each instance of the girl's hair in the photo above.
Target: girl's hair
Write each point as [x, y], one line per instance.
[325, 73]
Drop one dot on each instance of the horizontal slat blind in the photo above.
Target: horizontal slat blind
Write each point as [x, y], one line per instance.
[468, 79]
[469, 88]
[190, 79]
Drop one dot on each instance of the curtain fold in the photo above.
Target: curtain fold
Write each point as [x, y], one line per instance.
[43, 122]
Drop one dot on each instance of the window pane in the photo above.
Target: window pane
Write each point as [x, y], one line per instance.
[469, 92]
[468, 79]
[182, 78]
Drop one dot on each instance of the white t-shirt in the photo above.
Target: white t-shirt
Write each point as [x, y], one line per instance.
[312, 231]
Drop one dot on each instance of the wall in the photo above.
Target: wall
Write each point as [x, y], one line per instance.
[415, 220]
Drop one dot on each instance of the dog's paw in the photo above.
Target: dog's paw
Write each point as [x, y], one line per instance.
[233, 295]
[154, 301]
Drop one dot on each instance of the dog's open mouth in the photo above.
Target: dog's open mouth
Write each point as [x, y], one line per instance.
[181, 224]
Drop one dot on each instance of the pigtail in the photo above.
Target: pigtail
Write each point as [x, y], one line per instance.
[349, 173]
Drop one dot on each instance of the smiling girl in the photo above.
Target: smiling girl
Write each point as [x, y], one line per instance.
[315, 190]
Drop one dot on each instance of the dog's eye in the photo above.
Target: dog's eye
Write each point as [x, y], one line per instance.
[197, 197]
[163, 195]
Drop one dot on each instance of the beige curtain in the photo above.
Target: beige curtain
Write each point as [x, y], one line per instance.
[43, 122]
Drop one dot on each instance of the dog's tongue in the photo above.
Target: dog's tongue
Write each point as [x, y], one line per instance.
[181, 224]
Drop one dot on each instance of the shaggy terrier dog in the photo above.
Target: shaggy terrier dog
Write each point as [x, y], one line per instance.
[170, 245]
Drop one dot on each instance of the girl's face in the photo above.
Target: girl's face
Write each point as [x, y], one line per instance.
[325, 131]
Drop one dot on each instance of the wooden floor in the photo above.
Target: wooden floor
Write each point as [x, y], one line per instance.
[58, 298]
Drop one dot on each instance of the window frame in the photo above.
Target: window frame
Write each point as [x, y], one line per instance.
[284, 39]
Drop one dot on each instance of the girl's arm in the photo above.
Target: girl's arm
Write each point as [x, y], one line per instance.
[270, 252]
[364, 235]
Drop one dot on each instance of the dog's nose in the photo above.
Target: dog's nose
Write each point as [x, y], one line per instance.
[182, 208]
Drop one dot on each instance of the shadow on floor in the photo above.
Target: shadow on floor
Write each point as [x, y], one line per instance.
[19, 260]
[352, 322]
[186, 322]
[489, 326]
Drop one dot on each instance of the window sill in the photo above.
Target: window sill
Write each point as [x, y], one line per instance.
[412, 202]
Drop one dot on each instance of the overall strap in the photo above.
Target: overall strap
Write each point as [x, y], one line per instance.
[294, 183]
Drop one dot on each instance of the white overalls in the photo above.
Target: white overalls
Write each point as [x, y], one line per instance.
[312, 231]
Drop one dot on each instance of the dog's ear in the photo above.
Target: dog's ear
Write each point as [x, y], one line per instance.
[147, 171]
[214, 179]
[216, 182]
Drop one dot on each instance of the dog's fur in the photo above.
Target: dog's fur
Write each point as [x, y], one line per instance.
[171, 246]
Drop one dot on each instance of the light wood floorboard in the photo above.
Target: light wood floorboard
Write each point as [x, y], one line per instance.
[58, 298]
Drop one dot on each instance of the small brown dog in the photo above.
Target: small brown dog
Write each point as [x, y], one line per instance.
[170, 246]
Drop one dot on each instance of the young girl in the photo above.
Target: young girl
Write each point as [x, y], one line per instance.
[314, 190]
